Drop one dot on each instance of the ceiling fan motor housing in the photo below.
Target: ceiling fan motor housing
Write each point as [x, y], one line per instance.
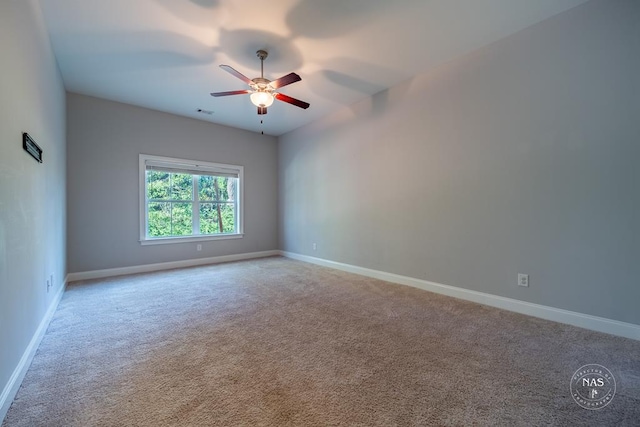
[261, 83]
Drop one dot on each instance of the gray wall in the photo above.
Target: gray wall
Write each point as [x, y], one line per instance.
[519, 158]
[104, 140]
[32, 195]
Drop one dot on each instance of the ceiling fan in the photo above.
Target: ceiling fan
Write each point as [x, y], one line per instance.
[263, 91]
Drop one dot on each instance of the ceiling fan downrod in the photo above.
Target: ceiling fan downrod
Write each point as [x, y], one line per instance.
[262, 54]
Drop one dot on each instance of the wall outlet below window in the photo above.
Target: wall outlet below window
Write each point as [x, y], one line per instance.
[198, 247]
[315, 247]
[523, 280]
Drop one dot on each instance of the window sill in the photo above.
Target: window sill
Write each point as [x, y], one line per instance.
[188, 239]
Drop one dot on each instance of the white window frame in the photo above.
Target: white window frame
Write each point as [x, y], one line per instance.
[187, 164]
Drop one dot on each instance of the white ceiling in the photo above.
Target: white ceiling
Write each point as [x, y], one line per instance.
[164, 54]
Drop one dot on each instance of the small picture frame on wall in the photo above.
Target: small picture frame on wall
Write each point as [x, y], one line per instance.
[31, 147]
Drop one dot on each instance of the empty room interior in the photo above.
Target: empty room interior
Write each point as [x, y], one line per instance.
[309, 213]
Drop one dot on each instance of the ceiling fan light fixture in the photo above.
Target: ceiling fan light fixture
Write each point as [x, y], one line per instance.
[263, 91]
[262, 99]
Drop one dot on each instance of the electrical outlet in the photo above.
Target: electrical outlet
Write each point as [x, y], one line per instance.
[198, 247]
[315, 246]
[523, 280]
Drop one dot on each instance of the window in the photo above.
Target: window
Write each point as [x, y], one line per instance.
[188, 200]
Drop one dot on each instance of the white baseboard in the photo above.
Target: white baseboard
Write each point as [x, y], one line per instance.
[11, 388]
[99, 274]
[600, 324]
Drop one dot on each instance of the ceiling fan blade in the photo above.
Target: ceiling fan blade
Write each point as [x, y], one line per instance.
[236, 73]
[233, 92]
[285, 80]
[292, 101]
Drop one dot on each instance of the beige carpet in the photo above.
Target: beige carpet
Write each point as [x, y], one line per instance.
[280, 342]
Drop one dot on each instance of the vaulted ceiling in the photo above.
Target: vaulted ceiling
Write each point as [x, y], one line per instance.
[164, 54]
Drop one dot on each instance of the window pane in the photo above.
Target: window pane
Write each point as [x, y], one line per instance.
[227, 212]
[216, 218]
[212, 188]
[231, 185]
[170, 219]
[209, 219]
[181, 186]
[159, 219]
[181, 219]
[206, 189]
[222, 189]
[158, 184]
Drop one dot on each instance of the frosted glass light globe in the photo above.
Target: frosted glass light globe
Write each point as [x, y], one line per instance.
[261, 99]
